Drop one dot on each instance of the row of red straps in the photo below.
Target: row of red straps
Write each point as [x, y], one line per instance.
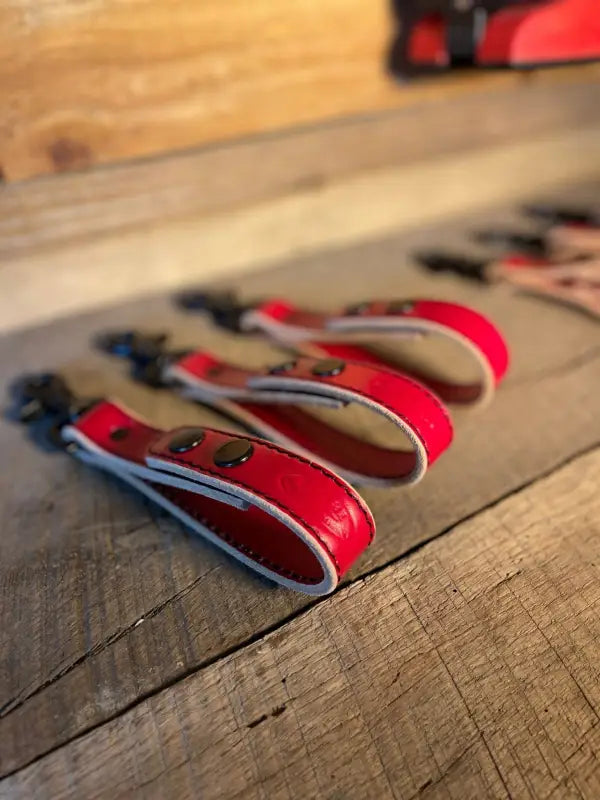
[282, 501]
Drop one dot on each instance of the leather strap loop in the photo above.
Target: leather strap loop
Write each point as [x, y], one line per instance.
[575, 282]
[285, 517]
[344, 334]
[574, 239]
[268, 403]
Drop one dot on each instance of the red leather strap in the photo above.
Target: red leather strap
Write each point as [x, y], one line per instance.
[285, 517]
[342, 335]
[267, 402]
[571, 239]
[575, 281]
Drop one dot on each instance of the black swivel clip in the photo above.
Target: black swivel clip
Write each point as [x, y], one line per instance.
[528, 244]
[436, 261]
[46, 398]
[224, 308]
[147, 352]
[563, 215]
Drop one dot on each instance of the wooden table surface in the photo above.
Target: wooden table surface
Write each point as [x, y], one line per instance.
[460, 659]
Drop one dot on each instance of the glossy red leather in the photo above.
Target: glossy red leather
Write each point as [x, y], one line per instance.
[556, 31]
[538, 33]
[574, 281]
[255, 399]
[342, 334]
[575, 239]
[303, 525]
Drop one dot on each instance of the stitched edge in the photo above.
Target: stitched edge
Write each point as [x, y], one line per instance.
[409, 422]
[272, 500]
[383, 368]
[306, 462]
[444, 329]
[483, 352]
[415, 384]
[408, 381]
[393, 373]
[170, 495]
[267, 497]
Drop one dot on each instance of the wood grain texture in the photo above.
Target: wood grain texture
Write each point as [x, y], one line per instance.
[96, 81]
[467, 671]
[105, 600]
[110, 269]
[230, 175]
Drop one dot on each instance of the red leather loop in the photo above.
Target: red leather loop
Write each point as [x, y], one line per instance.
[575, 282]
[573, 239]
[284, 516]
[269, 403]
[343, 335]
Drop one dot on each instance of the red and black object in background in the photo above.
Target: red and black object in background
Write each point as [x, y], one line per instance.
[283, 516]
[561, 262]
[438, 35]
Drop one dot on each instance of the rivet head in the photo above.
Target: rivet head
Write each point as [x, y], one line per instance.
[233, 453]
[185, 440]
[401, 307]
[328, 367]
[119, 434]
[278, 369]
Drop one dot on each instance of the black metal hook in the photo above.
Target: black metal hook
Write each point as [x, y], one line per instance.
[436, 261]
[147, 352]
[224, 308]
[140, 347]
[530, 244]
[563, 215]
[46, 397]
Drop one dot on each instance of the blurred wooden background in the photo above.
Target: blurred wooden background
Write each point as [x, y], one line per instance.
[126, 116]
[86, 82]
[149, 143]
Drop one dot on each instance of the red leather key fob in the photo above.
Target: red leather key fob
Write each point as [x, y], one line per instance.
[347, 335]
[274, 403]
[282, 403]
[282, 515]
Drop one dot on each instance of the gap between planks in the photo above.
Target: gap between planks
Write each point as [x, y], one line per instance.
[225, 608]
[589, 454]
[467, 679]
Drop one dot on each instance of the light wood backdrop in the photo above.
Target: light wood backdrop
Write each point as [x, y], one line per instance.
[133, 656]
[85, 82]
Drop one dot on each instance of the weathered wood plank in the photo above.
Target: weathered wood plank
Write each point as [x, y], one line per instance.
[80, 276]
[83, 560]
[469, 670]
[225, 176]
[97, 81]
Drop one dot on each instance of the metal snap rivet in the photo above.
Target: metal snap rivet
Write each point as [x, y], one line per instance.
[233, 453]
[278, 369]
[401, 307]
[119, 434]
[328, 367]
[186, 439]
